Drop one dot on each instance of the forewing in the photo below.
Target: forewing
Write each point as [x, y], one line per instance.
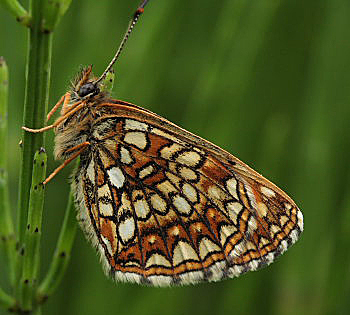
[166, 207]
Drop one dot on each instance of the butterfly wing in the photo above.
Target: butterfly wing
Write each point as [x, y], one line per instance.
[167, 207]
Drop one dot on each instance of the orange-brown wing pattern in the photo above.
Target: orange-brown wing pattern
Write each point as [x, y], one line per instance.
[166, 207]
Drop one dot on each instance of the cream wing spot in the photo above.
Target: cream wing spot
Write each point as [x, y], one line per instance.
[136, 138]
[216, 193]
[190, 192]
[116, 177]
[226, 231]
[183, 252]
[158, 203]
[190, 158]
[146, 171]
[125, 156]
[131, 124]
[188, 174]
[206, 247]
[166, 187]
[182, 205]
[141, 208]
[105, 200]
[168, 151]
[106, 209]
[231, 186]
[267, 192]
[126, 229]
[234, 208]
[157, 260]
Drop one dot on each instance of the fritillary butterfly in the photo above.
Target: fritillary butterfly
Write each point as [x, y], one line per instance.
[162, 205]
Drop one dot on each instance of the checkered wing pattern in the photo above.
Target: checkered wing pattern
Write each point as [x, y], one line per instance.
[166, 207]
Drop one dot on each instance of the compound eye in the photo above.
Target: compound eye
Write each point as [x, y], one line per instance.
[87, 89]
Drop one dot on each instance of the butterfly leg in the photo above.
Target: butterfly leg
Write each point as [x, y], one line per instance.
[80, 147]
[63, 100]
[77, 105]
[65, 107]
[71, 108]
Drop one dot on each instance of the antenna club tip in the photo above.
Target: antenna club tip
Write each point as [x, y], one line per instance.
[140, 10]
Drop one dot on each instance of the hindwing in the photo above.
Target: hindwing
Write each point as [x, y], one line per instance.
[165, 207]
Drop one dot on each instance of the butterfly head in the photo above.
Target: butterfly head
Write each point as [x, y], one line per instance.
[88, 89]
[85, 85]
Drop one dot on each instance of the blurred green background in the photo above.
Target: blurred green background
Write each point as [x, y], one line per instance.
[268, 81]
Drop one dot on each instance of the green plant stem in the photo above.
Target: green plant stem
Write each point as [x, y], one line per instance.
[31, 248]
[35, 107]
[17, 10]
[7, 237]
[7, 301]
[62, 253]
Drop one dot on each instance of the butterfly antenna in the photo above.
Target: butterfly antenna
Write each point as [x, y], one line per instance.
[132, 23]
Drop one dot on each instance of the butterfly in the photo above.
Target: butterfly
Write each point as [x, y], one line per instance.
[162, 205]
